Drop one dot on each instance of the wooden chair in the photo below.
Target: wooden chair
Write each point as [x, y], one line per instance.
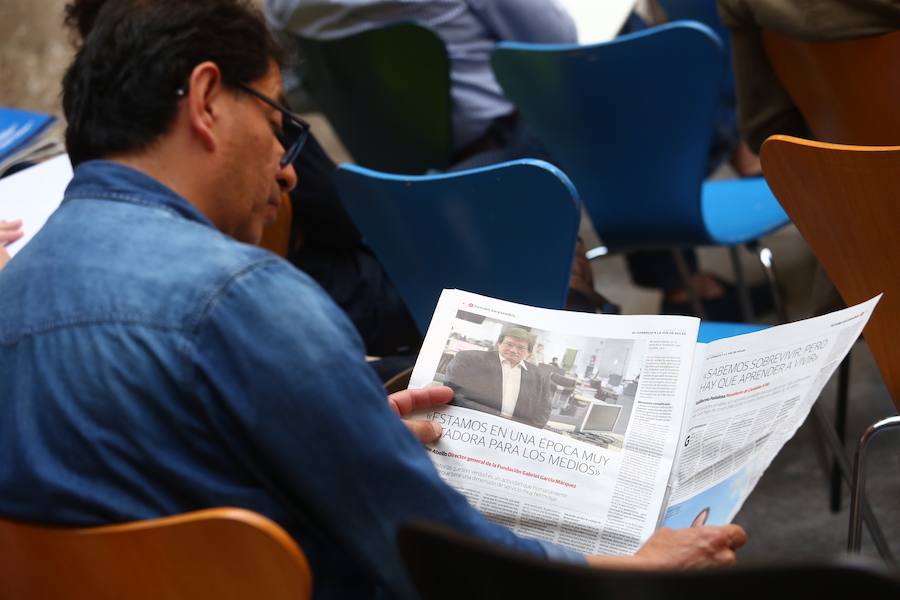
[277, 235]
[847, 91]
[484, 570]
[843, 200]
[221, 553]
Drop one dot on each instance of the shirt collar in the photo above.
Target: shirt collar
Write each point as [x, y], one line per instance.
[116, 182]
[520, 364]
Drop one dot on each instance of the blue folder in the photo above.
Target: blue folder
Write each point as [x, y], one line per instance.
[20, 128]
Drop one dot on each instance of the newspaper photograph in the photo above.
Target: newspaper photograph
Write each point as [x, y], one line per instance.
[563, 425]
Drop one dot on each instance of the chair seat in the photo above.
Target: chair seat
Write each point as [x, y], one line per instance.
[711, 331]
[737, 211]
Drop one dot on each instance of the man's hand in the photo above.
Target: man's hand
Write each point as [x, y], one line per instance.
[10, 231]
[409, 401]
[691, 548]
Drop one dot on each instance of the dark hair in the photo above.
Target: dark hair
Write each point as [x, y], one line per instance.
[119, 93]
[518, 333]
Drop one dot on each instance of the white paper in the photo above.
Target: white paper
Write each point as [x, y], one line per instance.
[32, 195]
[752, 392]
[695, 425]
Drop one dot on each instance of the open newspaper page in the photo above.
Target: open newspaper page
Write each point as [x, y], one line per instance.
[752, 394]
[566, 424]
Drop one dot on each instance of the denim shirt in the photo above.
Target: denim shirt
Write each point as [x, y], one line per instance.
[151, 365]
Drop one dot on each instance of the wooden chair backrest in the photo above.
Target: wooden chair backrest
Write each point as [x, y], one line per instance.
[845, 201]
[277, 235]
[221, 553]
[847, 90]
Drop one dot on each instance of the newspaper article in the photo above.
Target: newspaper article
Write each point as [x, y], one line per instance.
[584, 457]
[590, 430]
[752, 394]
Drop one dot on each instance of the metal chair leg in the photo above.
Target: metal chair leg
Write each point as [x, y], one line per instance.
[743, 291]
[858, 504]
[829, 437]
[688, 285]
[768, 264]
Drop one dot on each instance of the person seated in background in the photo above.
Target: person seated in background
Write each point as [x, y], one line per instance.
[764, 106]
[183, 367]
[486, 128]
[10, 231]
[500, 382]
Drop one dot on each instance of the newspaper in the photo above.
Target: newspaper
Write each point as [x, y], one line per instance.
[600, 428]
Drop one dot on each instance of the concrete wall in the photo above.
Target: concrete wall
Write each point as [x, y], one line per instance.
[34, 52]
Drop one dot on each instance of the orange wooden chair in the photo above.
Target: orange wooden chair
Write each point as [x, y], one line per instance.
[221, 553]
[843, 200]
[277, 235]
[847, 92]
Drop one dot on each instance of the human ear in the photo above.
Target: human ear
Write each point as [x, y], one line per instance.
[204, 91]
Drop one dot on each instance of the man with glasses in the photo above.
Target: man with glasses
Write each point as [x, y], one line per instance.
[501, 383]
[152, 363]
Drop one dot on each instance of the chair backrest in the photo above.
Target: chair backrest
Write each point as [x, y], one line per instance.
[506, 231]
[844, 201]
[847, 91]
[488, 571]
[630, 121]
[276, 235]
[387, 93]
[222, 553]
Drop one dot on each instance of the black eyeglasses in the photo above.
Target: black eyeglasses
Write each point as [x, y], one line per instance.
[294, 130]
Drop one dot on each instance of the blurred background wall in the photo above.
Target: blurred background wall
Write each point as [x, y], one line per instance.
[34, 52]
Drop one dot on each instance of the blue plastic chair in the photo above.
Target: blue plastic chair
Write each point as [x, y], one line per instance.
[630, 122]
[711, 331]
[506, 231]
[386, 92]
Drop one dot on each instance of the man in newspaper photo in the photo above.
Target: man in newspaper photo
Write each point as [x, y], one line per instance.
[501, 383]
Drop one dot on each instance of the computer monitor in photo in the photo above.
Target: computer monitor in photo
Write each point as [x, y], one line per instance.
[600, 417]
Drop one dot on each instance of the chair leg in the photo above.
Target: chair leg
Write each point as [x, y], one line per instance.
[688, 285]
[743, 290]
[768, 264]
[858, 504]
[829, 437]
[840, 427]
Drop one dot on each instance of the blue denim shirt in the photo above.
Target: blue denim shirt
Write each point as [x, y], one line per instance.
[151, 365]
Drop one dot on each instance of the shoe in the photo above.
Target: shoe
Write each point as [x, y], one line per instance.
[726, 307]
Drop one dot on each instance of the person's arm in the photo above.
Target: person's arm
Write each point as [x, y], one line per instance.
[10, 231]
[280, 371]
[691, 548]
[538, 21]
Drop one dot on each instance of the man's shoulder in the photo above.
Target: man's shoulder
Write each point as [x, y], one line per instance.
[142, 265]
